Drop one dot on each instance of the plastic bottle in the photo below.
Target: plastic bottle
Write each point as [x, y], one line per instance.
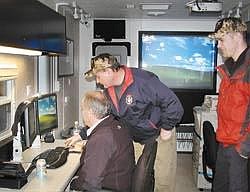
[76, 129]
[41, 170]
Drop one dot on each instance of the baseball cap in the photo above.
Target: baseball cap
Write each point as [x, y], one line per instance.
[98, 63]
[228, 25]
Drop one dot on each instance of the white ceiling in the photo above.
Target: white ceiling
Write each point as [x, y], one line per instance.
[117, 8]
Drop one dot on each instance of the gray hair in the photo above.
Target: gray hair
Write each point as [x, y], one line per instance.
[97, 103]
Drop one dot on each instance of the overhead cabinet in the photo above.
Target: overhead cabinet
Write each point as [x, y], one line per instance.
[30, 24]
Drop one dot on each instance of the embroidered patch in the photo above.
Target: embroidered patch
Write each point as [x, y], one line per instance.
[129, 99]
[119, 127]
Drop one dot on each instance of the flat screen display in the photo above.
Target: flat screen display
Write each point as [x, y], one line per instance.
[28, 122]
[109, 29]
[47, 113]
[182, 60]
[31, 124]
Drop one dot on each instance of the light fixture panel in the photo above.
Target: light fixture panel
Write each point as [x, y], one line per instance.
[155, 6]
[19, 51]
[156, 13]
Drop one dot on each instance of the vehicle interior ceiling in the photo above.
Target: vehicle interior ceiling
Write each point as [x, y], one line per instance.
[141, 9]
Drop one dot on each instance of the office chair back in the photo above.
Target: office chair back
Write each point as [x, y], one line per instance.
[143, 178]
[209, 153]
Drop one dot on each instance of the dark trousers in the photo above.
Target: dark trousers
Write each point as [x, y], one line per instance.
[231, 171]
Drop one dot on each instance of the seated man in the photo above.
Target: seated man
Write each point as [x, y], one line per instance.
[107, 161]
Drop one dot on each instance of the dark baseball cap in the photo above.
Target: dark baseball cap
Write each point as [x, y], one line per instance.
[99, 63]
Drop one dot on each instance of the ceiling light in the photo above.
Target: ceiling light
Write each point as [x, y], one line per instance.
[130, 6]
[156, 13]
[18, 51]
[155, 6]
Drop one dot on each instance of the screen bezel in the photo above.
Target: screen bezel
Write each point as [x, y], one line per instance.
[28, 124]
[32, 117]
[48, 129]
[180, 33]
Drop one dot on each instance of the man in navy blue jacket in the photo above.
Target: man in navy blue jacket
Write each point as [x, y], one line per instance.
[148, 106]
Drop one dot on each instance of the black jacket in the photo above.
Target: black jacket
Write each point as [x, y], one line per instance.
[108, 161]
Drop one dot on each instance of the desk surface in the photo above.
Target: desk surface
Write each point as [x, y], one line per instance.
[57, 179]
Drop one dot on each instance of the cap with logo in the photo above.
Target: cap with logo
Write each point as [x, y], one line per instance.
[99, 63]
[228, 25]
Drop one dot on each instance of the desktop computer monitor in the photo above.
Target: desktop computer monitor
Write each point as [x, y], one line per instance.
[28, 125]
[47, 117]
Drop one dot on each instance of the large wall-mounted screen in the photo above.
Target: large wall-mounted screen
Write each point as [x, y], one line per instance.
[182, 60]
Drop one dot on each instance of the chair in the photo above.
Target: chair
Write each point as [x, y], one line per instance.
[209, 153]
[143, 178]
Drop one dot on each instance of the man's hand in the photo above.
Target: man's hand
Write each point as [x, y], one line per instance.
[165, 134]
[70, 142]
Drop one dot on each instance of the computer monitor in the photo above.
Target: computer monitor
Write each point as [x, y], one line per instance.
[47, 117]
[28, 125]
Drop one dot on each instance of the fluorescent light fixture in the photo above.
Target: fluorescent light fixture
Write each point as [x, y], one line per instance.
[19, 51]
[155, 6]
[156, 13]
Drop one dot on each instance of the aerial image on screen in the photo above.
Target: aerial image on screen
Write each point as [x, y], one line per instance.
[47, 113]
[181, 61]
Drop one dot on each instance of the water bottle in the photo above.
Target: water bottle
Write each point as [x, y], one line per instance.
[41, 170]
[76, 129]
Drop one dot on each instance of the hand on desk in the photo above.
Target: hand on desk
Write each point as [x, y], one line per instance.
[75, 143]
[70, 142]
[78, 147]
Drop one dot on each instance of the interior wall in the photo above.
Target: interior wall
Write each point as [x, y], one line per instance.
[68, 95]
[132, 28]
[25, 83]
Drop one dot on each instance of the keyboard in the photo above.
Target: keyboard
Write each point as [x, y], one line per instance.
[54, 158]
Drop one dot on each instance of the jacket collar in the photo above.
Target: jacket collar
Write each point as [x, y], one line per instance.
[242, 63]
[91, 129]
[128, 80]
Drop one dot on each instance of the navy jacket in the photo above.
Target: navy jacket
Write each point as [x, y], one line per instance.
[146, 104]
[108, 161]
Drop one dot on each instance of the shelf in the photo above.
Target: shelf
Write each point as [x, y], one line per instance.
[4, 100]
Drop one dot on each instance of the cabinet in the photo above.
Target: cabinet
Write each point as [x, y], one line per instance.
[30, 24]
[200, 116]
